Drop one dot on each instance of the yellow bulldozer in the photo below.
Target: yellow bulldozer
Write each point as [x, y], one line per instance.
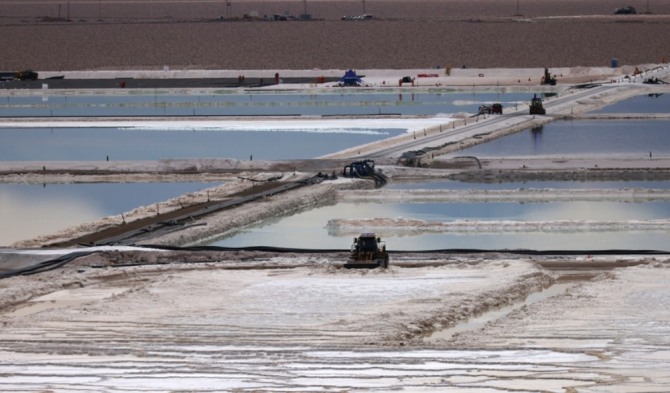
[368, 252]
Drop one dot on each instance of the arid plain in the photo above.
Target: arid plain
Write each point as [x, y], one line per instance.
[78, 34]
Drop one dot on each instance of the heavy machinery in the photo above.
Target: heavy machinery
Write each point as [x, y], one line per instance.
[547, 79]
[368, 252]
[365, 169]
[495, 109]
[627, 10]
[26, 75]
[536, 107]
[406, 79]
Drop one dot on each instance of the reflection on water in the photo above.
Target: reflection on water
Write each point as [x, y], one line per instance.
[308, 229]
[584, 138]
[27, 211]
[584, 185]
[34, 210]
[648, 103]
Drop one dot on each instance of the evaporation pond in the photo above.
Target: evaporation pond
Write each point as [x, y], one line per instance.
[32, 210]
[310, 229]
[257, 103]
[583, 138]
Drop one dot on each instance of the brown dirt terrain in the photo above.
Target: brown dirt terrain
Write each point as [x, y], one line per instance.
[52, 35]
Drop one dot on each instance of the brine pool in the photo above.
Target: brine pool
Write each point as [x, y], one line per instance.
[36, 210]
[28, 210]
[310, 229]
[253, 103]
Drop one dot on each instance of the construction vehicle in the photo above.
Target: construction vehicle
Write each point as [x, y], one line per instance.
[547, 79]
[627, 10]
[406, 79]
[536, 107]
[26, 75]
[367, 252]
[364, 169]
[495, 109]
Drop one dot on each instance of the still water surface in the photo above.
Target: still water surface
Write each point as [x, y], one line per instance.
[227, 103]
[35, 210]
[583, 138]
[309, 230]
[91, 144]
[651, 103]
[27, 211]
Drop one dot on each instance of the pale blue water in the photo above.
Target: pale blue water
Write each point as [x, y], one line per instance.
[456, 185]
[28, 210]
[588, 138]
[56, 204]
[96, 144]
[308, 229]
[225, 103]
[110, 198]
[584, 138]
[651, 103]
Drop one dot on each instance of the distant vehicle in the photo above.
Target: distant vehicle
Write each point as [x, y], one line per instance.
[26, 75]
[547, 79]
[627, 10]
[495, 109]
[405, 79]
[368, 252]
[536, 107]
[358, 17]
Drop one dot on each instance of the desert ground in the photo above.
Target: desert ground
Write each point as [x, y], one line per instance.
[53, 35]
[170, 317]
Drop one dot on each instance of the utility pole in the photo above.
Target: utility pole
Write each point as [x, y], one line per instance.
[518, 12]
[228, 9]
[305, 3]
[364, 7]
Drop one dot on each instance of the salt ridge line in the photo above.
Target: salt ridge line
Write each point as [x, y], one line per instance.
[406, 225]
[291, 124]
[512, 195]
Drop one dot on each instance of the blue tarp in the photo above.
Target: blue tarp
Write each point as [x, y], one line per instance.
[351, 79]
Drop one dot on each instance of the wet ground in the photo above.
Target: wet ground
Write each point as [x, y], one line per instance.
[281, 322]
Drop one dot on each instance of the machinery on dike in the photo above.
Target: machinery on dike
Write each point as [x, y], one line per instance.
[368, 252]
[495, 109]
[366, 170]
[536, 107]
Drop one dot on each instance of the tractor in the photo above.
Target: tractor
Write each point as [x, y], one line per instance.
[368, 252]
[536, 107]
